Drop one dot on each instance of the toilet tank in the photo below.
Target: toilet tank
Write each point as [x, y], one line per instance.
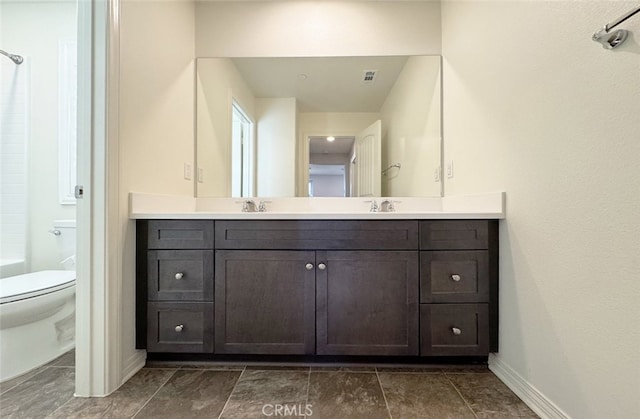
[65, 232]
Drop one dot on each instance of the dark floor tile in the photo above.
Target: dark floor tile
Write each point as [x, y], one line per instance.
[66, 360]
[258, 389]
[343, 369]
[39, 395]
[284, 367]
[213, 367]
[467, 369]
[189, 365]
[9, 384]
[192, 394]
[422, 396]
[404, 370]
[489, 397]
[123, 403]
[346, 395]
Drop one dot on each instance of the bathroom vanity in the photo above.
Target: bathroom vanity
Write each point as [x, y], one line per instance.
[295, 285]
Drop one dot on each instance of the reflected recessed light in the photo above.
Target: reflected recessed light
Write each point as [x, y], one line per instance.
[331, 139]
[302, 76]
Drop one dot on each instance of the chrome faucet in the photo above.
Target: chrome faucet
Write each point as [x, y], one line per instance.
[249, 206]
[263, 206]
[387, 206]
[374, 206]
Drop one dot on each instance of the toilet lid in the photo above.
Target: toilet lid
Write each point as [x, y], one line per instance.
[33, 284]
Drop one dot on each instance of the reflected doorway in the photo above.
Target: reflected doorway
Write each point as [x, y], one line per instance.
[330, 166]
[242, 152]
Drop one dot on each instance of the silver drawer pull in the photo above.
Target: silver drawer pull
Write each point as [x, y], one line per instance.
[179, 328]
[456, 331]
[309, 266]
[322, 266]
[456, 277]
[179, 275]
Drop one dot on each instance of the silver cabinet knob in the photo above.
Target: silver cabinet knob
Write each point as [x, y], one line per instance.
[179, 328]
[322, 266]
[179, 275]
[456, 278]
[456, 331]
[309, 266]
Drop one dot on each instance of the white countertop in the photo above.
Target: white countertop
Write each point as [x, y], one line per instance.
[484, 206]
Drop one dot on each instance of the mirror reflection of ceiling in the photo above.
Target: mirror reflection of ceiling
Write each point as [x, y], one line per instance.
[324, 84]
[320, 145]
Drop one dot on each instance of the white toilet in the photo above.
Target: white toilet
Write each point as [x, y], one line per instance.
[37, 311]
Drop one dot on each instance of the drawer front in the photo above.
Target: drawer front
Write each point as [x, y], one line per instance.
[454, 329]
[180, 327]
[454, 234]
[180, 275]
[180, 234]
[319, 234]
[454, 277]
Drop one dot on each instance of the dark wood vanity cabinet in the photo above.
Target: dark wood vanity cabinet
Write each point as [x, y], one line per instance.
[305, 287]
[174, 286]
[458, 287]
[324, 287]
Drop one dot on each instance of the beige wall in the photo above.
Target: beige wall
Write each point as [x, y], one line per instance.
[276, 147]
[34, 30]
[411, 130]
[534, 107]
[156, 111]
[317, 28]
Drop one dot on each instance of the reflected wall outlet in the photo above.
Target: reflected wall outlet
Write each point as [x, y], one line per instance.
[450, 169]
[200, 175]
[187, 171]
[436, 174]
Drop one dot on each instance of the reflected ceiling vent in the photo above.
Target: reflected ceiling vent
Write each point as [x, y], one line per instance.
[369, 76]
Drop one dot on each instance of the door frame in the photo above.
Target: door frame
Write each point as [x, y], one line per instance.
[98, 342]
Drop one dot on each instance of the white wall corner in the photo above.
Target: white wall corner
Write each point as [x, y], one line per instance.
[530, 395]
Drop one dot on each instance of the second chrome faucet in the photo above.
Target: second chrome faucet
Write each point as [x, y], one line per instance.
[249, 205]
[386, 205]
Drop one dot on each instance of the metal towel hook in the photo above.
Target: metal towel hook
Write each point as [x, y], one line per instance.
[611, 40]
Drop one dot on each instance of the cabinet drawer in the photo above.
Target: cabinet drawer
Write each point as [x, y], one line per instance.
[180, 275]
[454, 329]
[454, 277]
[318, 235]
[180, 327]
[454, 234]
[180, 234]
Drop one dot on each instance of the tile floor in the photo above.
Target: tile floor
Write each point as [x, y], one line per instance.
[165, 390]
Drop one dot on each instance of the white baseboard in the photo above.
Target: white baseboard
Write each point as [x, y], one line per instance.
[133, 365]
[530, 395]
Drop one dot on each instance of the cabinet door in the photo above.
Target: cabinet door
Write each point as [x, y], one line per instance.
[264, 302]
[367, 303]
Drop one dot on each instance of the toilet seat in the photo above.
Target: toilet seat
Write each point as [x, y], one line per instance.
[33, 284]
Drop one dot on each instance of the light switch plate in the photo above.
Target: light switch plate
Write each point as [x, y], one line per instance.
[436, 174]
[200, 175]
[450, 169]
[187, 171]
